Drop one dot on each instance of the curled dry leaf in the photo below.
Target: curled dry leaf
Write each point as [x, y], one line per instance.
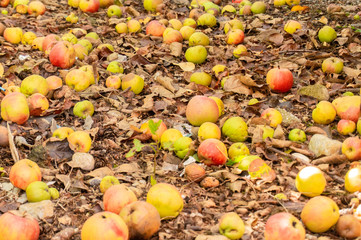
[235, 84]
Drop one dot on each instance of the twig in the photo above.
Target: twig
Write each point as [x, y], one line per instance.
[302, 151]
[289, 156]
[333, 159]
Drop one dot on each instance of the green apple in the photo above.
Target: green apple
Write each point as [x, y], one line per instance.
[201, 78]
[245, 161]
[70, 38]
[92, 35]
[327, 34]
[297, 135]
[4, 11]
[358, 126]
[134, 82]
[235, 128]
[54, 193]
[237, 149]
[245, 3]
[258, 7]
[86, 43]
[115, 67]
[107, 182]
[231, 226]
[183, 147]
[37, 191]
[83, 109]
[114, 10]
[197, 54]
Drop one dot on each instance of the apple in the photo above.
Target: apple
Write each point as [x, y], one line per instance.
[258, 7]
[279, 3]
[17, 226]
[86, 43]
[196, 54]
[80, 51]
[54, 193]
[207, 19]
[245, 10]
[353, 179]
[239, 51]
[4, 3]
[310, 181]
[237, 149]
[38, 43]
[348, 107]
[114, 10]
[202, 109]
[332, 65]
[183, 147]
[284, 226]
[169, 137]
[268, 132]
[231, 226]
[297, 135]
[171, 35]
[233, 25]
[208, 130]
[348, 227]
[21, 8]
[190, 22]
[195, 13]
[89, 70]
[324, 113]
[13, 35]
[20, 2]
[228, 9]
[194, 172]
[89, 5]
[151, 5]
[4, 136]
[106, 3]
[358, 126]
[212, 152]
[279, 79]
[72, 18]
[38, 104]
[28, 38]
[121, 28]
[113, 81]
[219, 104]
[77, 79]
[292, 2]
[92, 35]
[201, 78]
[235, 36]
[36, 8]
[62, 55]
[73, 3]
[62, 132]
[134, 82]
[105, 225]
[292, 26]
[351, 147]
[4, 11]
[14, 107]
[327, 34]
[69, 37]
[106, 46]
[175, 24]
[209, 5]
[144, 128]
[34, 84]
[273, 115]
[107, 182]
[166, 199]
[115, 67]
[79, 141]
[24, 172]
[49, 42]
[320, 214]
[134, 26]
[83, 109]
[198, 38]
[37, 191]
[12, 89]
[155, 28]
[142, 219]
[235, 129]
[117, 197]
[346, 127]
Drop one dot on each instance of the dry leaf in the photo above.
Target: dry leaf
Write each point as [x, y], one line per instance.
[299, 8]
[234, 84]
[186, 66]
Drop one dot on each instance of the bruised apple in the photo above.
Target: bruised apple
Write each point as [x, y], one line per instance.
[166, 199]
[284, 226]
[142, 219]
[14, 107]
[105, 225]
[38, 104]
[194, 172]
[23, 173]
[17, 226]
[62, 55]
[79, 141]
[117, 197]
[201, 109]
[212, 152]
[348, 227]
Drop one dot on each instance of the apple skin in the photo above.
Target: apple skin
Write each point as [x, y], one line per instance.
[297, 135]
[49, 42]
[208, 130]
[324, 113]
[142, 219]
[77, 79]
[231, 226]
[38, 43]
[292, 26]
[115, 67]
[258, 7]
[327, 34]
[4, 136]
[36, 8]
[201, 78]
[319, 214]
[183, 147]
[134, 82]
[134, 26]
[166, 199]
[212, 152]
[114, 10]
[28, 38]
[239, 51]
[89, 70]
[158, 134]
[169, 137]
[196, 54]
[15, 226]
[353, 179]
[86, 43]
[121, 28]
[107, 182]
[346, 127]
[175, 24]
[348, 107]
[62, 132]
[79, 141]
[106, 3]
[23, 173]
[273, 115]
[105, 225]
[237, 149]
[201, 109]
[62, 55]
[117, 197]
[54, 82]
[220, 104]
[34, 84]
[4, 3]
[83, 109]
[284, 226]
[310, 181]
[13, 35]
[235, 37]
[232, 25]
[151, 5]
[113, 81]
[207, 19]
[37, 191]
[351, 147]
[279, 79]
[73, 3]
[14, 107]
[190, 22]
[187, 32]
[171, 35]
[332, 65]
[38, 104]
[91, 6]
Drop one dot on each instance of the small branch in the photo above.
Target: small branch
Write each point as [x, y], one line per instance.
[289, 156]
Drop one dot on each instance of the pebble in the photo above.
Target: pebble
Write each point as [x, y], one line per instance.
[39, 210]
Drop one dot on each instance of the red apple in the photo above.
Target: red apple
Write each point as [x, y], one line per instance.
[235, 36]
[89, 5]
[346, 127]
[23, 173]
[273, 115]
[17, 226]
[280, 79]
[113, 82]
[212, 152]
[351, 147]
[36, 8]
[49, 41]
[117, 197]
[62, 55]
[202, 109]
[284, 226]
[38, 104]
[105, 225]
[14, 107]
[171, 35]
[155, 28]
[4, 3]
[348, 107]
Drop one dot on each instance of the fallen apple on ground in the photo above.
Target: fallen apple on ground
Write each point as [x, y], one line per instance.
[15, 226]
[116, 197]
[235, 128]
[208, 130]
[79, 141]
[284, 226]
[212, 152]
[310, 181]
[231, 226]
[201, 109]
[24, 172]
[107, 182]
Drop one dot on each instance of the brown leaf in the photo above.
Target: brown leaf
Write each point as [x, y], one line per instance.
[234, 84]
